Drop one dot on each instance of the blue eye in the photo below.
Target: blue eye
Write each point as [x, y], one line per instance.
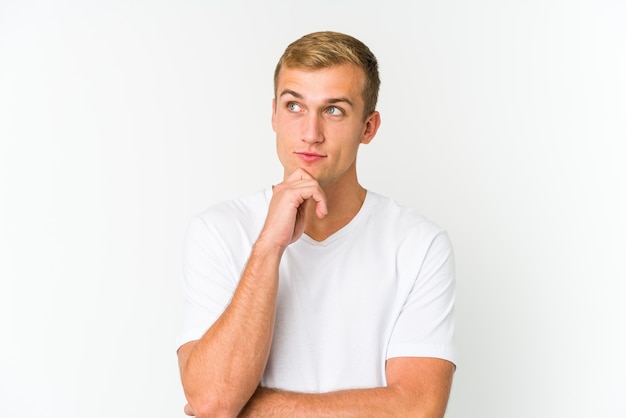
[293, 107]
[334, 111]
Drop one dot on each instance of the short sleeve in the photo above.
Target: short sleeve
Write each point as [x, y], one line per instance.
[208, 281]
[425, 326]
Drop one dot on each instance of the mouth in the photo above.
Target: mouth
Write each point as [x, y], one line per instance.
[310, 156]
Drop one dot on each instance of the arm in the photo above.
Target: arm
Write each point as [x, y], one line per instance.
[221, 371]
[417, 387]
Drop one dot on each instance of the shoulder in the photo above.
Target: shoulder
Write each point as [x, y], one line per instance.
[240, 215]
[401, 220]
[404, 230]
[238, 208]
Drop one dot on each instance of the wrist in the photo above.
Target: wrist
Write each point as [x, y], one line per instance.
[266, 403]
[267, 248]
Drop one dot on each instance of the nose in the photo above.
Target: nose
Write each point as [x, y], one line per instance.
[312, 129]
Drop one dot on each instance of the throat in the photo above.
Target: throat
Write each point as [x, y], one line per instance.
[341, 210]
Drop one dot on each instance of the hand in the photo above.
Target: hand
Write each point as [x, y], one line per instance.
[286, 217]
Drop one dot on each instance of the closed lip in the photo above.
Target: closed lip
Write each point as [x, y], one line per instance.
[309, 154]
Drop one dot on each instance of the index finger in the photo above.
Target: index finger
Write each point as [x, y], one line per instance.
[299, 174]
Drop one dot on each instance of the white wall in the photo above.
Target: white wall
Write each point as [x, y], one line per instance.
[502, 121]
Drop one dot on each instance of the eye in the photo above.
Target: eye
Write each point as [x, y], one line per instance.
[293, 107]
[334, 111]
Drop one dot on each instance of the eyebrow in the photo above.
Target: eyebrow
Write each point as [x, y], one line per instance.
[331, 101]
[291, 92]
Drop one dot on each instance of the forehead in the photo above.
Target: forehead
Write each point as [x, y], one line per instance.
[345, 80]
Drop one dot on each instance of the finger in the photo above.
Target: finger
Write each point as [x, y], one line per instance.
[311, 190]
[189, 411]
[318, 195]
[299, 174]
[321, 209]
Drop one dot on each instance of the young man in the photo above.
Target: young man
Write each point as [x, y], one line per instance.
[318, 297]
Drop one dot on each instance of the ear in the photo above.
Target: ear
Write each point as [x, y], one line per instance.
[274, 114]
[372, 123]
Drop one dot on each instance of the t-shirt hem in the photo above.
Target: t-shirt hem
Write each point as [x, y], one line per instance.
[189, 335]
[423, 350]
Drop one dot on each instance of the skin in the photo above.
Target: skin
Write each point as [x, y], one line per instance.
[319, 123]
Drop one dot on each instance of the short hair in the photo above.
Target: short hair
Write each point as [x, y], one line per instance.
[320, 50]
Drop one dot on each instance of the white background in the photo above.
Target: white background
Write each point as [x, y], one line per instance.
[503, 121]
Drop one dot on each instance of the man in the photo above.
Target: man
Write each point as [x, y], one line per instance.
[318, 297]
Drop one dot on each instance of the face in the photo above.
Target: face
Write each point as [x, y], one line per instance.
[318, 120]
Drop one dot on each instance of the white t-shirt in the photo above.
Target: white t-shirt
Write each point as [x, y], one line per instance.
[380, 287]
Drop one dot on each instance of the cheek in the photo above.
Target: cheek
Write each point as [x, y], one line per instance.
[288, 133]
[350, 138]
[283, 146]
[288, 123]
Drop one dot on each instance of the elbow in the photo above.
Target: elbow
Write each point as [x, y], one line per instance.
[207, 401]
[208, 397]
[210, 407]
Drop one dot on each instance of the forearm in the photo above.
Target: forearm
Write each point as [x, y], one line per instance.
[416, 387]
[375, 402]
[222, 370]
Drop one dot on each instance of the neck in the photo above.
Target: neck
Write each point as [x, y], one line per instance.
[343, 205]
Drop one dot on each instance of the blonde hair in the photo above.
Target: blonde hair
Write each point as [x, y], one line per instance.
[326, 49]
